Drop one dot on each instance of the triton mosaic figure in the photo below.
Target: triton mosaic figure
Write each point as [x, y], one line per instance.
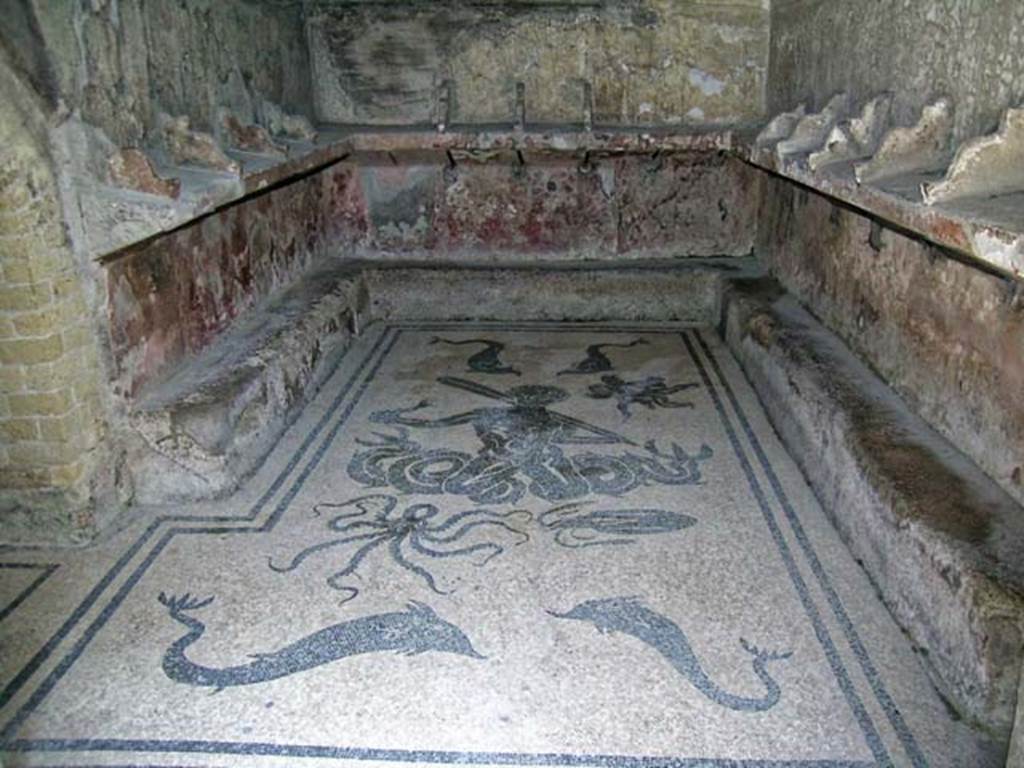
[523, 446]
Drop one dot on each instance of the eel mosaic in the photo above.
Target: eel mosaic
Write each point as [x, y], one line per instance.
[597, 361]
[487, 360]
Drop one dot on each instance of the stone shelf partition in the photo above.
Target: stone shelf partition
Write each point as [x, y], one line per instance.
[115, 218]
[989, 230]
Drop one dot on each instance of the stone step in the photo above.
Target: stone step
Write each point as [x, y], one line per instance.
[200, 431]
[943, 544]
[685, 290]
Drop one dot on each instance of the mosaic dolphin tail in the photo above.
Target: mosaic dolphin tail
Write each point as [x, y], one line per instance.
[415, 630]
[597, 361]
[487, 360]
[629, 615]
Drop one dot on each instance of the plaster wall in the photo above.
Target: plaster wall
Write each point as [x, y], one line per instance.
[635, 62]
[971, 51]
[948, 337]
[170, 298]
[554, 208]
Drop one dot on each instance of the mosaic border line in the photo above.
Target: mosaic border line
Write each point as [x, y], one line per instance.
[394, 331]
[892, 712]
[47, 571]
[427, 756]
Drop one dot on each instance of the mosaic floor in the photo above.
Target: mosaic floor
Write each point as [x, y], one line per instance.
[489, 545]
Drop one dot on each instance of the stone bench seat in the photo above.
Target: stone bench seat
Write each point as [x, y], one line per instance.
[199, 431]
[942, 542]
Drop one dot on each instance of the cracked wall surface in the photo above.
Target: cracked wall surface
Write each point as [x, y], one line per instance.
[657, 62]
[119, 62]
[971, 51]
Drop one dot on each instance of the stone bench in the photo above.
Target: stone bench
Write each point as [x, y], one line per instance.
[943, 544]
[200, 431]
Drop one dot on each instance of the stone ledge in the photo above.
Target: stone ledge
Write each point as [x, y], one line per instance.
[684, 290]
[199, 432]
[943, 544]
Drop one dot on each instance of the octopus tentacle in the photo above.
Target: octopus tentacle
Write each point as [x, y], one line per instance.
[334, 579]
[423, 573]
[495, 550]
[360, 503]
[351, 593]
[378, 537]
[456, 518]
[429, 535]
[358, 524]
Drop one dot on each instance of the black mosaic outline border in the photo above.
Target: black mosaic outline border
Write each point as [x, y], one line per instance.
[47, 571]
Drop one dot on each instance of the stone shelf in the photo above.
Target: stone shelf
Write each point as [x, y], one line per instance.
[990, 231]
[114, 219]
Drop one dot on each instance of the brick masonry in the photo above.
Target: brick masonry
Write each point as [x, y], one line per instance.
[50, 404]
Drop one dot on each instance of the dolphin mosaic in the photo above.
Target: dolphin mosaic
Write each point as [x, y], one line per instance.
[596, 360]
[417, 629]
[629, 616]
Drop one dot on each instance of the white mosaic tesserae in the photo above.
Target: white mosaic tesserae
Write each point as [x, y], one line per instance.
[483, 544]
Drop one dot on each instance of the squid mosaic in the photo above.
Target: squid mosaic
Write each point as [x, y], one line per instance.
[574, 526]
[414, 535]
